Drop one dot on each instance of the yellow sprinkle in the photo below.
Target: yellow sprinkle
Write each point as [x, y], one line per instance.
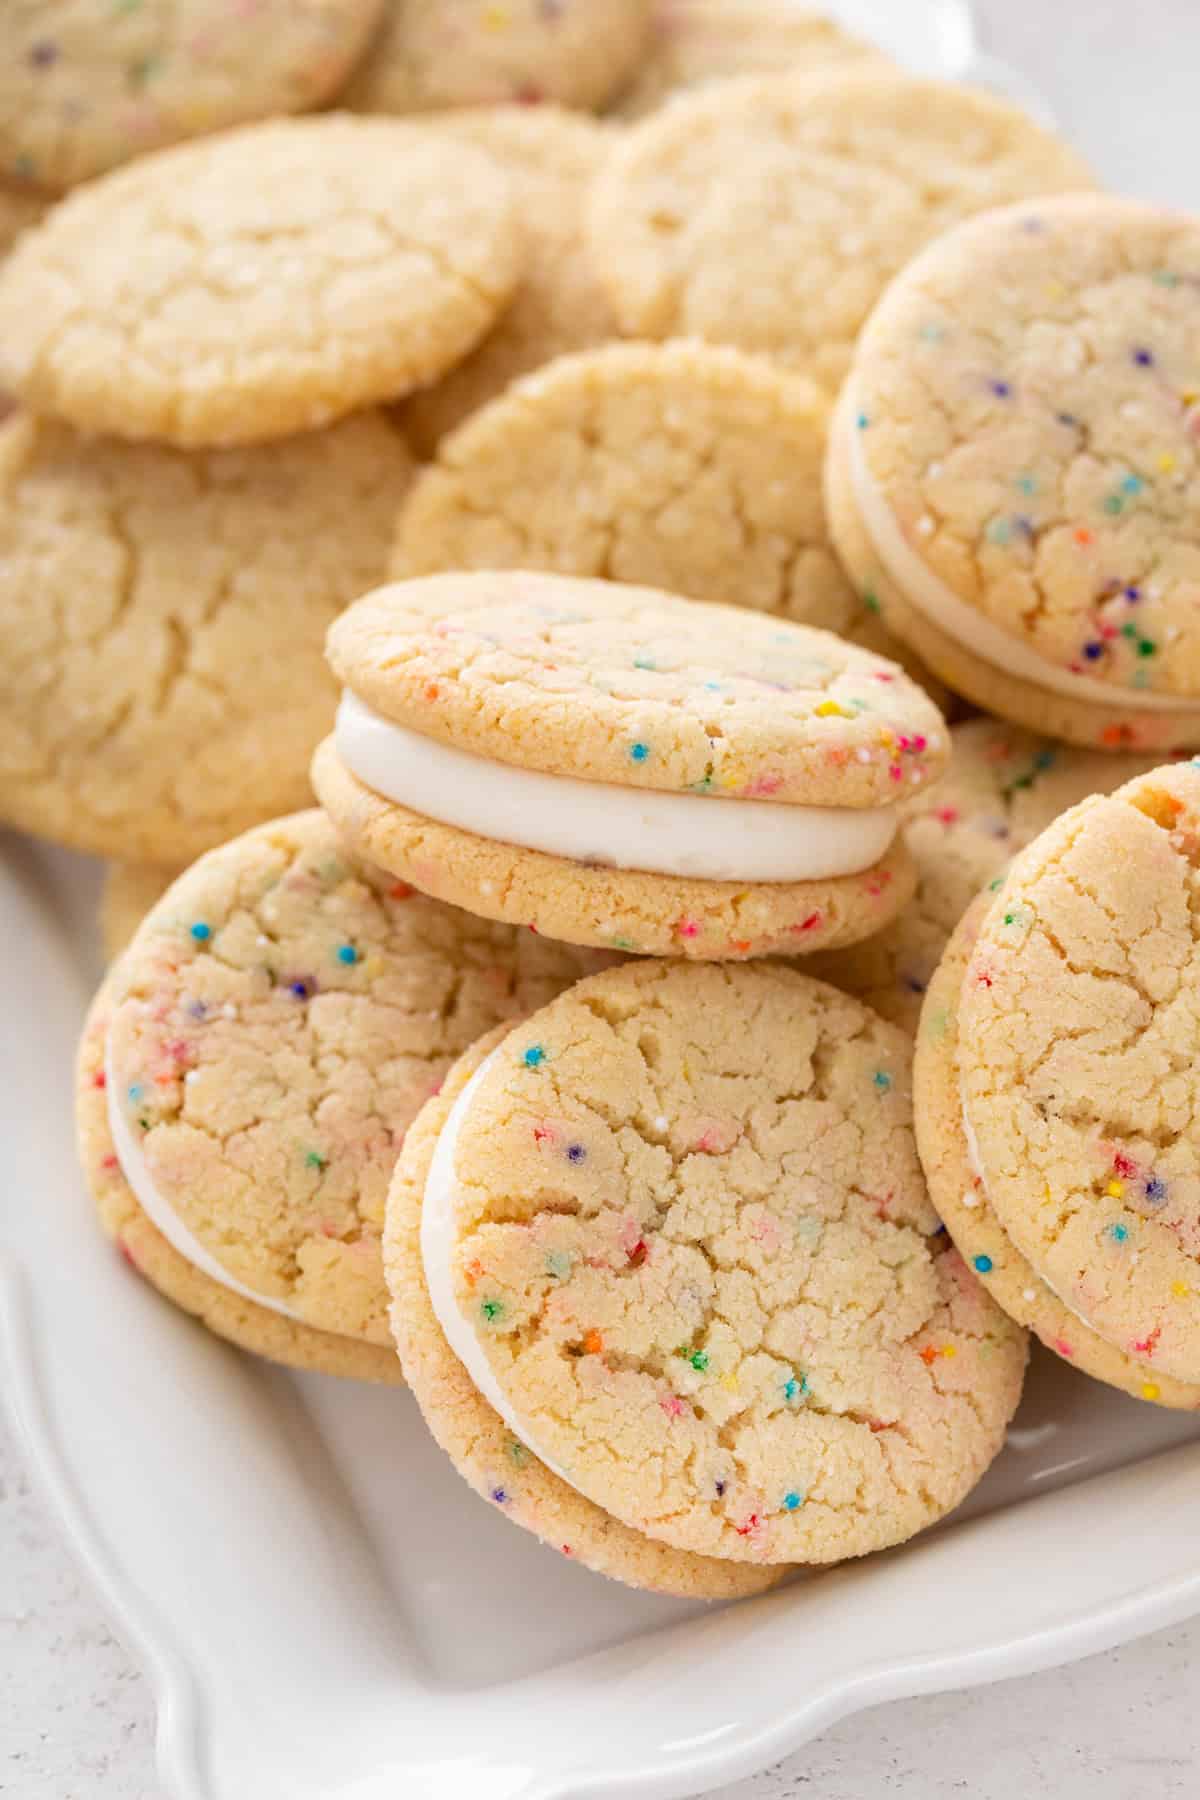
[729, 1383]
[949, 1350]
[1055, 291]
[1190, 396]
[885, 736]
[1180, 1289]
[1151, 1391]
[1116, 1189]
[1167, 463]
[497, 18]
[829, 709]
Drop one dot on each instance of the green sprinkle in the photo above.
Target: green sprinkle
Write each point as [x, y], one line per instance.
[883, 1080]
[644, 662]
[871, 601]
[491, 1309]
[1114, 504]
[1165, 278]
[1146, 647]
[517, 1453]
[999, 531]
[699, 1361]
[995, 885]
[314, 1160]
[623, 943]
[1027, 484]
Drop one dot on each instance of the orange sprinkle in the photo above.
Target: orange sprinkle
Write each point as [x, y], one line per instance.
[473, 1271]
[431, 691]
[928, 1355]
[1083, 535]
[593, 1343]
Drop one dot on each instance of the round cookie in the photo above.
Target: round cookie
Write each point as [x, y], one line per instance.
[1002, 788]
[436, 53]
[962, 1200]
[475, 1438]
[130, 890]
[1017, 454]
[625, 768]
[698, 41]
[86, 84]
[771, 212]
[252, 1064]
[300, 269]
[550, 157]
[146, 596]
[1073, 1078]
[685, 466]
[676, 1231]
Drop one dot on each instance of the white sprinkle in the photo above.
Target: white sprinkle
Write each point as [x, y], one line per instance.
[487, 887]
[262, 940]
[229, 1010]
[925, 526]
[1028, 1294]
[190, 1076]
[917, 777]
[864, 756]
[969, 1200]
[661, 1124]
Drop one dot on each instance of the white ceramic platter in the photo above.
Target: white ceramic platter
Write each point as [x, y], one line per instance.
[329, 1614]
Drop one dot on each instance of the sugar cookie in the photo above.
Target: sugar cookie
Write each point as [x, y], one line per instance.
[625, 768]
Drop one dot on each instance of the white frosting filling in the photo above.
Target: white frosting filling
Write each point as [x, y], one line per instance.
[710, 839]
[137, 1173]
[968, 627]
[439, 1210]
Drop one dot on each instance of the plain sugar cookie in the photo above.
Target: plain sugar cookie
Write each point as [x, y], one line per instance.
[698, 41]
[250, 1069]
[676, 1232]
[1002, 787]
[550, 157]
[485, 1452]
[146, 595]
[87, 84]
[962, 1200]
[687, 467]
[771, 212]
[439, 53]
[260, 283]
[625, 768]
[1074, 1080]
[1016, 466]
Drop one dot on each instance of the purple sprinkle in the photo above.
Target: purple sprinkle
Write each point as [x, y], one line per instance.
[1024, 524]
[576, 1153]
[1156, 1189]
[1093, 650]
[500, 1495]
[1143, 358]
[196, 1009]
[1001, 389]
[303, 987]
[43, 54]
[1133, 594]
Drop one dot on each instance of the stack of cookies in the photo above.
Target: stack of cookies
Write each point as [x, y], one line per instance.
[601, 518]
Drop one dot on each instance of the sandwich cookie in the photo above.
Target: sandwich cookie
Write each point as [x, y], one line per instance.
[1056, 1087]
[624, 768]
[1015, 468]
[436, 53]
[300, 269]
[162, 618]
[1002, 788]
[251, 1065]
[86, 84]
[675, 1233]
[550, 157]
[771, 212]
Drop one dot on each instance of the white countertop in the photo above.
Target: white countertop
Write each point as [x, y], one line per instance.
[76, 1717]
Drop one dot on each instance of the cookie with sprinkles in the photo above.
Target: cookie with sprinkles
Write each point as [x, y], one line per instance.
[1058, 1085]
[625, 768]
[88, 84]
[1003, 786]
[251, 1065]
[162, 621]
[130, 890]
[496, 1463]
[1015, 468]
[259, 283]
[770, 212]
[967, 1212]
[550, 157]
[695, 42]
[436, 53]
[675, 1233]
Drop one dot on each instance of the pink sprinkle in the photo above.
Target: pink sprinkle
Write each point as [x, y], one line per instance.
[809, 924]
[947, 815]
[672, 1405]
[108, 1162]
[687, 928]
[764, 784]
[128, 1256]
[1148, 1345]
[894, 772]
[1063, 1348]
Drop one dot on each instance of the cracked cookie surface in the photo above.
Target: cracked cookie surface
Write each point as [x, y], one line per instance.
[434, 53]
[145, 710]
[1002, 787]
[961, 1198]
[484, 1451]
[771, 212]
[693, 1241]
[1077, 1022]
[550, 157]
[639, 688]
[260, 283]
[85, 84]
[276, 1024]
[1027, 404]
[689, 467]
[697, 41]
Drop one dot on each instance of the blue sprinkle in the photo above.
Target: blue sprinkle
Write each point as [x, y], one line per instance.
[883, 1080]
[534, 1057]
[1156, 1189]
[302, 988]
[1133, 594]
[201, 932]
[1132, 484]
[1118, 1233]
[135, 1092]
[863, 421]
[1045, 759]
[347, 953]
[1093, 651]
[1027, 484]
[793, 1500]
[983, 1264]
[639, 752]
[576, 1153]
[500, 1495]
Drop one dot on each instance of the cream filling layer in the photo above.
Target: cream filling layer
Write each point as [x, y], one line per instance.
[690, 835]
[439, 1211]
[136, 1171]
[976, 633]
